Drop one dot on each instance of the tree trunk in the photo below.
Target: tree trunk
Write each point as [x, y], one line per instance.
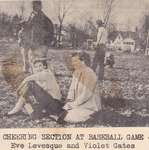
[59, 35]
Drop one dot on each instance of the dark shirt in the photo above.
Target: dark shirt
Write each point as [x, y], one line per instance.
[41, 29]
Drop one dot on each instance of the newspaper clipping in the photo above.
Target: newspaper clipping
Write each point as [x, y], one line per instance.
[74, 74]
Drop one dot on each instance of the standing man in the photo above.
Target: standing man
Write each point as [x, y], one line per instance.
[40, 33]
[98, 61]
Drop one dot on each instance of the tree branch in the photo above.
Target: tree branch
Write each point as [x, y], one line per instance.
[107, 16]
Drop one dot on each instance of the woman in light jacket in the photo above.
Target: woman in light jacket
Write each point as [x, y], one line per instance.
[83, 98]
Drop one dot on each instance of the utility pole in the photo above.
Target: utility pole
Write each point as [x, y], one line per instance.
[98, 8]
[147, 43]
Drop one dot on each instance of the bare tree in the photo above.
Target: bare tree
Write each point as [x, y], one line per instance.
[62, 9]
[107, 7]
[22, 9]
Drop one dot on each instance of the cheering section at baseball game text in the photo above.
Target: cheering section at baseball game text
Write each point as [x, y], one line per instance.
[77, 141]
[71, 137]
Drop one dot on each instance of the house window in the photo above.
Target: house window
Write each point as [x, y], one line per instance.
[129, 43]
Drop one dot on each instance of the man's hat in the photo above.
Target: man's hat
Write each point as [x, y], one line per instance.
[37, 2]
[99, 22]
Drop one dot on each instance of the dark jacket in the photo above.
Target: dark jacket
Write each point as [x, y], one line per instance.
[40, 30]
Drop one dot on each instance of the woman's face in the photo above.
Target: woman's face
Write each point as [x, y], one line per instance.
[38, 67]
[76, 62]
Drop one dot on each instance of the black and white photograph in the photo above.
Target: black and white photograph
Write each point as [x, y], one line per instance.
[74, 64]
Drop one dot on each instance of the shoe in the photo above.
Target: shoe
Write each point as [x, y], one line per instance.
[54, 117]
[61, 121]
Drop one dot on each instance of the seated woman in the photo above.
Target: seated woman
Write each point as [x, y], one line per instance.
[39, 93]
[83, 98]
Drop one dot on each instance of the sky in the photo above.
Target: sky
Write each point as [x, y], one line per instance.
[125, 12]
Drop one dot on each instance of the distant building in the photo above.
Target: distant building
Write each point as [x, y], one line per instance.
[123, 40]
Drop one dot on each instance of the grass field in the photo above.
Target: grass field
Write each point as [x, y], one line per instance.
[132, 72]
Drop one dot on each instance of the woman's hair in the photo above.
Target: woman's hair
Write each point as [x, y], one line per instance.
[83, 56]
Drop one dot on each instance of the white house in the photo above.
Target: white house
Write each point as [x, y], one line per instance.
[124, 41]
[129, 44]
[118, 42]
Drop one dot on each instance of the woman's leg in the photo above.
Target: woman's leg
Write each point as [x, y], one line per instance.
[19, 105]
[44, 101]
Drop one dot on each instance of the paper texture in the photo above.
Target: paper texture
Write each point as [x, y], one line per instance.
[74, 74]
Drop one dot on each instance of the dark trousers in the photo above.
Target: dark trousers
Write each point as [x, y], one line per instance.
[44, 101]
[98, 61]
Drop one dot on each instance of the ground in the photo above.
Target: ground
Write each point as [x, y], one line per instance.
[132, 75]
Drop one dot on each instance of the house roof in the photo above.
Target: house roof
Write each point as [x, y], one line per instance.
[125, 34]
